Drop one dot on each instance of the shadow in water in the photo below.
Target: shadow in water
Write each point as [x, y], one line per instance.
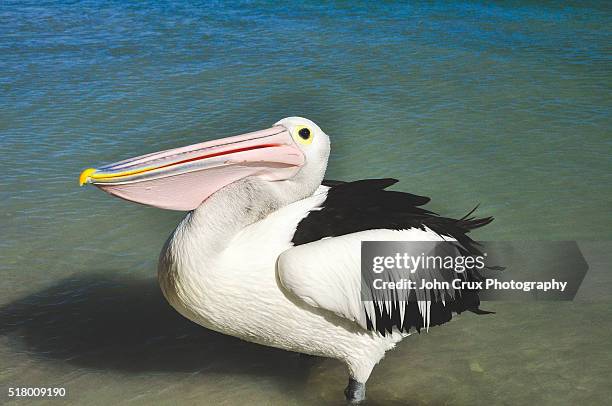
[107, 320]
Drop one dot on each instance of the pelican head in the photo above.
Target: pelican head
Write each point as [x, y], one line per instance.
[293, 151]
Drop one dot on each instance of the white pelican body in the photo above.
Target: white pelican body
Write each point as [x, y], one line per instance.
[236, 290]
[273, 258]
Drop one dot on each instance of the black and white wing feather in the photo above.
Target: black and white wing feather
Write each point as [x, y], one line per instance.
[324, 268]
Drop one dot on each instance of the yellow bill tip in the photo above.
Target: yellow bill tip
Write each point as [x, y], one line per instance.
[85, 175]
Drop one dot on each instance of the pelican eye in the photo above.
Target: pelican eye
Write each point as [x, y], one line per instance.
[304, 135]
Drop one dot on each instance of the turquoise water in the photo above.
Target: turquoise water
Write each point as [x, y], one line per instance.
[506, 105]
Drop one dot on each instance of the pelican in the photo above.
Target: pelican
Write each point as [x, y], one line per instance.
[269, 252]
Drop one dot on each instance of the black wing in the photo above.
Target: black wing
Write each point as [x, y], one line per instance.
[366, 205]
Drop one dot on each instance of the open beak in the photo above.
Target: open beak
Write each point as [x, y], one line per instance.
[182, 178]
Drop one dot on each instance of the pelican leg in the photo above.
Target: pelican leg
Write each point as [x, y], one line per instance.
[355, 392]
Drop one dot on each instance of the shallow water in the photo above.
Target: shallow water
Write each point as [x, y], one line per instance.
[503, 105]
